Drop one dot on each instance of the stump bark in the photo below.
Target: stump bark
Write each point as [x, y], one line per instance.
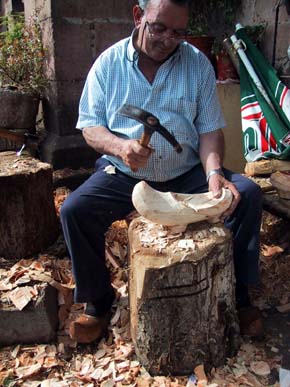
[28, 221]
[182, 296]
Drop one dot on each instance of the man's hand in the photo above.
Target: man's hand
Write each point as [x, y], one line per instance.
[131, 152]
[215, 184]
[134, 155]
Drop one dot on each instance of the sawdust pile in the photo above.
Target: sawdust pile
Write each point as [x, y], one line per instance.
[112, 362]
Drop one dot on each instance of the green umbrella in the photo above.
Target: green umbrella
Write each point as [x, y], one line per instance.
[265, 104]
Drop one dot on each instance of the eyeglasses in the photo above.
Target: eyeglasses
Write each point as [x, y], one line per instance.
[160, 31]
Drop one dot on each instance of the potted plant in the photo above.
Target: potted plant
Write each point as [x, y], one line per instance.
[198, 29]
[226, 58]
[22, 78]
[209, 21]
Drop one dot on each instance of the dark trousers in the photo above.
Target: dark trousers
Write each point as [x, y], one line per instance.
[88, 212]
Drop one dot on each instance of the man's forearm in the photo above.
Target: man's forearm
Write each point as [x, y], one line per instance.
[103, 141]
[211, 150]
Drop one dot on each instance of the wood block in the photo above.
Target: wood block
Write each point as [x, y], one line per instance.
[182, 296]
[273, 203]
[28, 221]
[36, 323]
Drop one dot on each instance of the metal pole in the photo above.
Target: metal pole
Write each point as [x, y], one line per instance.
[239, 46]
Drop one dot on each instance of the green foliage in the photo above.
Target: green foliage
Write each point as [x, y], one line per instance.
[255, 32]
[205, 11]
[21, 54]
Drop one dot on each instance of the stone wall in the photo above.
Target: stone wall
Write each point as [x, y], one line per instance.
[261, 11]
[75, 33]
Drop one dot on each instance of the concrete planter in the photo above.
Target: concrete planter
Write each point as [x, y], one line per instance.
[18, 110]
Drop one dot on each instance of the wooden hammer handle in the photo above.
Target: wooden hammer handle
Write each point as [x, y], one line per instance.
[145, 139]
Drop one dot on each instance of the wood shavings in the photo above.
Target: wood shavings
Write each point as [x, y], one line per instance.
[110, 169]
[48, 366]
[260, 368]
[60, 195]
[200, 375]
[22, 296]
[199, 235]
[283, 308]
[186, 244]
[218, 231]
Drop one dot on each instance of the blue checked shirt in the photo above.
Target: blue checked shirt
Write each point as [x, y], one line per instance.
[183, 97]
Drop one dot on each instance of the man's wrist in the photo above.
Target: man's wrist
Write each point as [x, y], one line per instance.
[216, 171]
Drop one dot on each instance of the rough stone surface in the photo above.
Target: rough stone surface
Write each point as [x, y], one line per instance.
[55, 151]
[75, 33]
[60, 107]
[18, 110]
[36, 323]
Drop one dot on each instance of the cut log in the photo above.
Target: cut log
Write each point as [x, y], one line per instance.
[28, 220]
[281, 181]
[182, 298]
[266, 167]
[277, 206]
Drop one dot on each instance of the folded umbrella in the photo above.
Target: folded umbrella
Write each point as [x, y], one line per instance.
[265, 104]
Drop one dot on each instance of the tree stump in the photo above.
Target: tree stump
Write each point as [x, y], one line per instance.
[28, 221]
[182, 296]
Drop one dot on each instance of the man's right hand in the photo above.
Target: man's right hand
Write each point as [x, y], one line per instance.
[130, 151]
[134, 155]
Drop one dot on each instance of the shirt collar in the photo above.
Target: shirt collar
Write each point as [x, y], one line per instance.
[132, 54]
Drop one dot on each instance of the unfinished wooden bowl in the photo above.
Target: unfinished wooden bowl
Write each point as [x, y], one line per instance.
[171, 209]
[281, 181]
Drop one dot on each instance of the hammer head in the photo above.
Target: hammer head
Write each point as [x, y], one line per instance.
[150, 122]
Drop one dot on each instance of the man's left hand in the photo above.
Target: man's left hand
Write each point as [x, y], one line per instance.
[215, 184]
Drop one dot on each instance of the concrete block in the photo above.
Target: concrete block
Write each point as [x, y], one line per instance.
[92, 8]
[68, 151]
[60, 106]
[73, 50]
[36, 323]
[110, 33]
[78, 45]
[49, 45]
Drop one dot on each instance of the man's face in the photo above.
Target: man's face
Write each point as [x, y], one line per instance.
[161, 28]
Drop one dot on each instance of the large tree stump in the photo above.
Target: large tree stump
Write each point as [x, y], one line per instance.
[28, 221]
[182, 296]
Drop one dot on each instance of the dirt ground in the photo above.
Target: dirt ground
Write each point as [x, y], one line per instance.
[112, 362]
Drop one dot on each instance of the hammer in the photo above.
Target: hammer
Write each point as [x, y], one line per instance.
[151, 124]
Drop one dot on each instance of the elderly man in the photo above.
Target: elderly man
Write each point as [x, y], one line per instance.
[156, 70]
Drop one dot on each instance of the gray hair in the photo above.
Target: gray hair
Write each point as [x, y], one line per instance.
[143, 3]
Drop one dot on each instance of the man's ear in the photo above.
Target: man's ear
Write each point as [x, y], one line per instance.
[137, 15]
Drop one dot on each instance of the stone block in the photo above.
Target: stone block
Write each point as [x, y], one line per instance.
[110, 33]
[68, 151]
[73, 50]
[60, 107]
[81, 43]
[80, 9]
[36, 323]
[92, 9]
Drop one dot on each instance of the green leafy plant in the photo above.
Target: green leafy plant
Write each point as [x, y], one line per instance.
[22, 55]
[207, 15]
[255, 32]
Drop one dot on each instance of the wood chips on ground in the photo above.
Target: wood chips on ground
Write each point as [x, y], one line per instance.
[112, 362]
